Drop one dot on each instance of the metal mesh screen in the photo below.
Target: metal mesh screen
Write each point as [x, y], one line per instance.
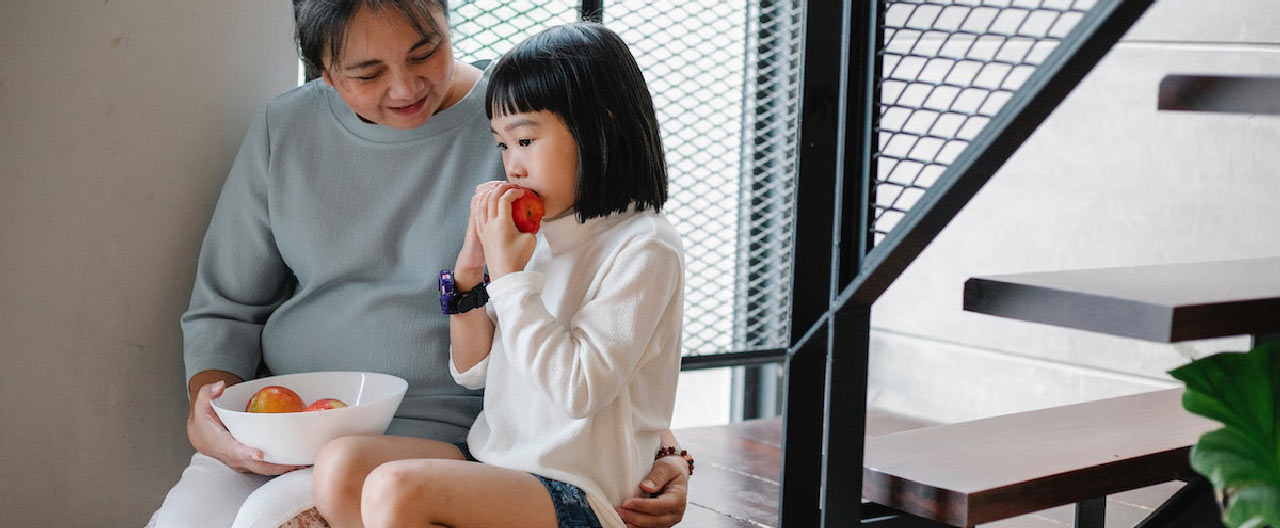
[485, 29]
[949, 66]
[725, 83]
[724, 76]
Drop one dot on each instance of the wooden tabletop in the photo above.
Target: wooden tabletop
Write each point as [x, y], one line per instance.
[1166, 303]
[1220, 93]
[985, 470]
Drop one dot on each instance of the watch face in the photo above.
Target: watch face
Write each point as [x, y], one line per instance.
[453, 303]
[447, 290]
[447, 286]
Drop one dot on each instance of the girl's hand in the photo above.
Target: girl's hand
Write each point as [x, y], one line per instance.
[210, 437]
[506, 249]
[468, 270]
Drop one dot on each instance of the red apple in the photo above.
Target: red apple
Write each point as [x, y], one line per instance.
[527, 212]
[324, 404]
[275, 399]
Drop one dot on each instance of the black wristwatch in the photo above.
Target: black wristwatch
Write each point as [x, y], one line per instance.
[452, 302]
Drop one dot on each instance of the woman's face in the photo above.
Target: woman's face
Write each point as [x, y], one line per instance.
[391, 75]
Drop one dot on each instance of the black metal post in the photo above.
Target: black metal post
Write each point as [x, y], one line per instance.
[1091, 513]
[837, 128]
[820, 147]
[845, 407]
[733, 359]
[592, 11]
[845, 404]
[802, 435]
[1193, 506]
[747, 393]
[881, 516]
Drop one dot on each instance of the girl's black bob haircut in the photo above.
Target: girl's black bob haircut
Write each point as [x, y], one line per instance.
[585, 74]
[322, 24]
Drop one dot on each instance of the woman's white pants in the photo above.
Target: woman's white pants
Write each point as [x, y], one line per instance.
[211, 494]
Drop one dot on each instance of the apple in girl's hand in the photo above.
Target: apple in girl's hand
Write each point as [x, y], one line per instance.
[527, 212]
[275, 399]
[323, 404]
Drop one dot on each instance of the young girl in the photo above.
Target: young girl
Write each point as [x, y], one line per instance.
[579, 343]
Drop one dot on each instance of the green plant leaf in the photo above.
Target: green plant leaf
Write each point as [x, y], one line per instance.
[1231, 459]
[1241, 460]
[1252, 507]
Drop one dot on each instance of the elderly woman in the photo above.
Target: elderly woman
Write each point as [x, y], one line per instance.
[347, 194]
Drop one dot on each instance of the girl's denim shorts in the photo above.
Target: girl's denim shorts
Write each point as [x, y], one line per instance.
[572, 510]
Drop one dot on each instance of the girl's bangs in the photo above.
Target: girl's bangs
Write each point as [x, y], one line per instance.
[523, 86]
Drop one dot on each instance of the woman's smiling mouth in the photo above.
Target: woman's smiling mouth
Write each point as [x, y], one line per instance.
[409, 110]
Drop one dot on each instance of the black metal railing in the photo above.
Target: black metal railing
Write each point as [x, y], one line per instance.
[924, 116]
[948, 69]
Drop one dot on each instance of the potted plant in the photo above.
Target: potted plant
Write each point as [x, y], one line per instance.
[1242, 459]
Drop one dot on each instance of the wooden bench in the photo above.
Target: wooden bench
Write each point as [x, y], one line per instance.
[977, 472]
[966, 473]
[1094, 448]
[736, 483]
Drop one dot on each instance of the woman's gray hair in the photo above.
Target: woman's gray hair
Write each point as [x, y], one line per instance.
[322, 25]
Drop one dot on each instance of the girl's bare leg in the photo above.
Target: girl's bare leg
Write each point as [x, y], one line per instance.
[415, 493]
[343, 464]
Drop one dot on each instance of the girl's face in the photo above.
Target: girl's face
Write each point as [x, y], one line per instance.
[539, 153]
[391, 75]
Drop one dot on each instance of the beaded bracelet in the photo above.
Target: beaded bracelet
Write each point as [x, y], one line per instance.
[665, 451]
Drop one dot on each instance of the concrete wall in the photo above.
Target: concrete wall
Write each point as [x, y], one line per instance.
[120, 121]
[1107, 180]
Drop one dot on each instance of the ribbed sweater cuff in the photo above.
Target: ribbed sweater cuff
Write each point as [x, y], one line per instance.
[505, 293]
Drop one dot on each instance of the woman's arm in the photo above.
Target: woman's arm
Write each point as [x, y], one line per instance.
[240, 280]
[664, 490]
[241, 277]
[208, 377]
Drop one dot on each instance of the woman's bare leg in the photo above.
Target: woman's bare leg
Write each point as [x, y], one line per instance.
[415, 493]
[343, 464]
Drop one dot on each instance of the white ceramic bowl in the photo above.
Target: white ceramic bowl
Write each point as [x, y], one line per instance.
[296, 438]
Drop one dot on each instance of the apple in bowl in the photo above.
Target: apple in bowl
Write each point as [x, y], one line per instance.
[324, 404]
[370, 400]
[274, 399]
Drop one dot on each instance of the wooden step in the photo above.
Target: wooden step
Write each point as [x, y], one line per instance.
[1164, 303]
[736, 482]
[981, 471]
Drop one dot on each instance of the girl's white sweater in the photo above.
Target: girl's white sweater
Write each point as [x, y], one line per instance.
[582, 374]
